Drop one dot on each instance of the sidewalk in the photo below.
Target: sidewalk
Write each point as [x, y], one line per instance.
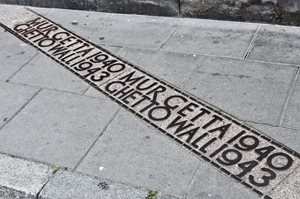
[51, 117]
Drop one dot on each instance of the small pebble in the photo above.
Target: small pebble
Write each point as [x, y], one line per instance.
[101, 168]
[74, 22]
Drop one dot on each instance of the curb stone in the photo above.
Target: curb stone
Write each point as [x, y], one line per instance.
[23, 179]
[73, 185]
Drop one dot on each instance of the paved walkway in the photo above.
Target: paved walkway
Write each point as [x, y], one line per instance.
[50, 116]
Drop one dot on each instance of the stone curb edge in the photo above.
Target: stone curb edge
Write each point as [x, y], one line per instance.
[26, 179]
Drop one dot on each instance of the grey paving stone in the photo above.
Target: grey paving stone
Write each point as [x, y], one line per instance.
[211, 184]
[21, 178]
[292, 113]
[288, 188]
[251, 91]
[44, 72]
[132, 152]
[113, 49]
[72, 185]
[41, 11]
[175, 68]
[277, 44]
[86, 22]
[211, 37]
[13, 98]
[288, 137]
[135, 31]
[56, 127]
[13, 54]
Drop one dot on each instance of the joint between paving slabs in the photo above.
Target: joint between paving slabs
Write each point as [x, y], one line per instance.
[98, 28]
[46, 14]
[27, 62]
[95, 141]
[194, 71]
[192, 180]
[242, 59]
[22, 107]
[293, 84]
[39, 192]
[50, 89]
[171, 33]
[251, 42]
[51, 176]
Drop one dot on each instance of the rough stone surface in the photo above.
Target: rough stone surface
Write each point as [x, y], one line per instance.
[132, 152]
[165, 197]
[273, 11]
[57, 127]
[152, 7]
[240, 87]
[21, 178]
[66, 185]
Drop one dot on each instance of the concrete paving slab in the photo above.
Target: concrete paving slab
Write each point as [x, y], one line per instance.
[209, 183]
[288, 137]
[211, 37]
[21, 178]
[291, 116]
[56, 127]
[135, 31]
[67, 185]
[241, 87]
[175, 68]
[132, 152]
[13, 54]
[277, 44]
[13, 98]
[84, 23]
[46, 73]
[41, 11]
